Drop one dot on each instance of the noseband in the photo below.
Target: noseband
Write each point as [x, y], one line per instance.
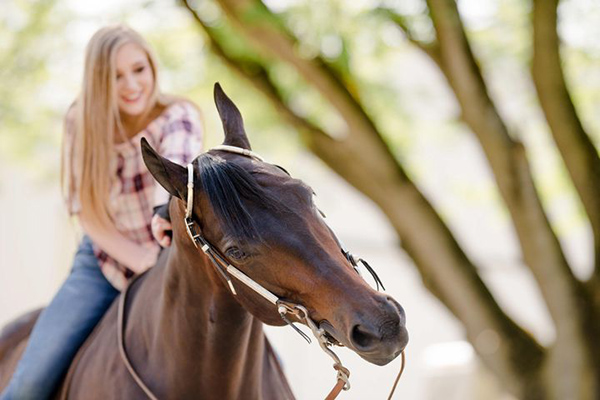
[284, 308]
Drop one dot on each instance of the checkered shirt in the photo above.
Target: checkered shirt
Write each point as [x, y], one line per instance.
[176, 134]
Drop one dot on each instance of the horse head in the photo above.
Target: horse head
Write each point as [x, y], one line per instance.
[254, 217]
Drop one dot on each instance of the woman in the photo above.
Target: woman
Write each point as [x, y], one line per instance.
[108, 188]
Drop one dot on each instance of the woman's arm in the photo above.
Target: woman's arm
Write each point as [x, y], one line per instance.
[135, 257]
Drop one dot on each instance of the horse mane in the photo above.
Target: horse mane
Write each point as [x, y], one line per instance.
[226, 184]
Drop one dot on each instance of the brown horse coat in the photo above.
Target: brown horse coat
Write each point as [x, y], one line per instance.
[186, 335]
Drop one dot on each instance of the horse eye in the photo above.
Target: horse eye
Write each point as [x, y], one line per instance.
[235, 253]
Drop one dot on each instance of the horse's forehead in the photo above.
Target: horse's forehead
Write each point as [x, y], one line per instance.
[277, 181]
[270, 176]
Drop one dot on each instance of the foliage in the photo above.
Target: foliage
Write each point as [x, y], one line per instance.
[369, 85]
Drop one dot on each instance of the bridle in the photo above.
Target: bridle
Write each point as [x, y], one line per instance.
[284, 308]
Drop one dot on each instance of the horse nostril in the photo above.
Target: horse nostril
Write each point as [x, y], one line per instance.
[398, 308]
[364, 338]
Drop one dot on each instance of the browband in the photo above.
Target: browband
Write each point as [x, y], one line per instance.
[238, 150]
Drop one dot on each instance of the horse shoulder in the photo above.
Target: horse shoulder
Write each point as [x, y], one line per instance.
[97, 372]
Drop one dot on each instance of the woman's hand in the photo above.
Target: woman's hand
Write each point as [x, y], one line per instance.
[127, 252]
[160, 228]
[149, 260]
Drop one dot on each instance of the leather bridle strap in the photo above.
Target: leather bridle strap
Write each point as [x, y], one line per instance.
[337, 389]
[225, 269]
[238, 150]
[343, 373]
[398, 377]
[121, 339]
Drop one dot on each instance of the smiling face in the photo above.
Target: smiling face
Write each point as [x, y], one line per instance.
[135, 79]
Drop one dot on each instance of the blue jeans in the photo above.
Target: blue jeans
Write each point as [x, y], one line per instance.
[62, 328]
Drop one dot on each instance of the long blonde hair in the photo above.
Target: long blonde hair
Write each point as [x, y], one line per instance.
[88, 144]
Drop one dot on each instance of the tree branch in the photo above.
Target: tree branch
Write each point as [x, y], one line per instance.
[447, 272]
[576, 148]
[261, 27]
[257, 75]
[432, 49]
[507, 157]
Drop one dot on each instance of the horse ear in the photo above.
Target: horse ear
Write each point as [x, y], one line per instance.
[171, 176]
[233, 124]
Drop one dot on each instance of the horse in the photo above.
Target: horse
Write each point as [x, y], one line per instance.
[249, 247]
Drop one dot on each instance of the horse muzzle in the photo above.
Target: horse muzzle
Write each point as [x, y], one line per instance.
[378, 337]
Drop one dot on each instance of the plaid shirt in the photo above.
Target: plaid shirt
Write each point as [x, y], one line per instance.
[176, 134]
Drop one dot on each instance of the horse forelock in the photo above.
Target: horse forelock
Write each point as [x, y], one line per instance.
[229, 187]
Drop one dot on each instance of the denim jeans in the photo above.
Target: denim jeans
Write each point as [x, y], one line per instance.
[62, 328]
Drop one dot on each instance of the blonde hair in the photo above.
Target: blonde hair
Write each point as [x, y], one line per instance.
[88, 145]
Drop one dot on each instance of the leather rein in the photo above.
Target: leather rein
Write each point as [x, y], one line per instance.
[284, 308]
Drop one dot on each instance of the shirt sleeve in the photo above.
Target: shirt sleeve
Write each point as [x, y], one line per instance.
[181, 142]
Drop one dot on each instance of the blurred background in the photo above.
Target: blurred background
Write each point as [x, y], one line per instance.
[451, 144]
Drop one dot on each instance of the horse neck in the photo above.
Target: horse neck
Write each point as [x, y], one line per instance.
[200, 336]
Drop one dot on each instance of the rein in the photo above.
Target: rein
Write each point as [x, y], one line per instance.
[121, 339]
[225, 269]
